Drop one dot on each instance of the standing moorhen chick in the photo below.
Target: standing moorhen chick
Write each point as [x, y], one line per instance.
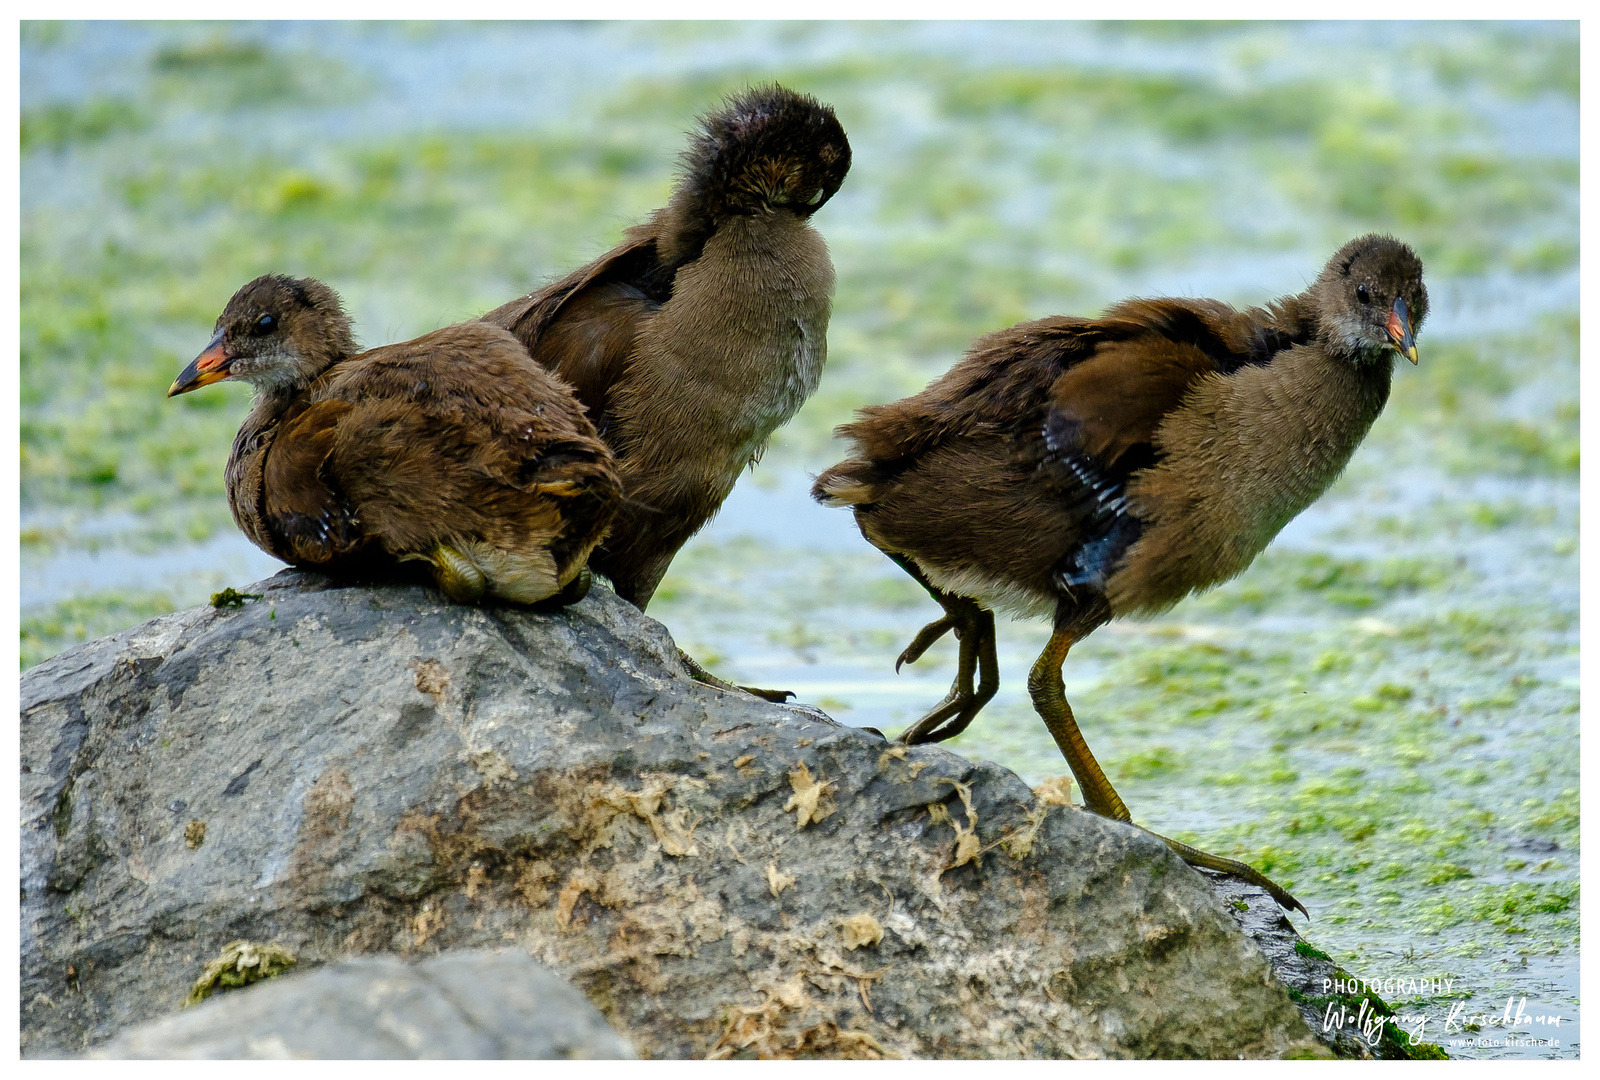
[455, 450]
[705, 329]
[1094, 468]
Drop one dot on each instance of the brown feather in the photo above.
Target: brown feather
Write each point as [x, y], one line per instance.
[301, 498]
[1141, 455]
[589, 345]
[705, 330]
[456, 438]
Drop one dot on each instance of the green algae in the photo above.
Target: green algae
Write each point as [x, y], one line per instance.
[240, 963]
[61, 125]
[1392, 1043]
[1513, 63]
[220, 71]
[1181, 108]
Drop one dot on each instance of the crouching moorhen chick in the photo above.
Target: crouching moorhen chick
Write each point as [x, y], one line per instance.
[1089, 469]
[455, 450]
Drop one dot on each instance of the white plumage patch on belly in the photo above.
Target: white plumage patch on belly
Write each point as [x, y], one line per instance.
[1006, 596]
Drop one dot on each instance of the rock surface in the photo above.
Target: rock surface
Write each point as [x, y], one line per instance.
[373, 770]
[470, 1004]
[1339, 1019]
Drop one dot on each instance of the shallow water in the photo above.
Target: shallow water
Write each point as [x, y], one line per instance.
[1381, 714]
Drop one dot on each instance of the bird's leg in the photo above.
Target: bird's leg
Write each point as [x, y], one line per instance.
[974, 629]
[1049, 696]
[964, 701]
[701, 675]
[639, 585]
[1048, 691]
[456, 575]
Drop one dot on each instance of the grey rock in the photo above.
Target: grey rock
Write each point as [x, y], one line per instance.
[379, 771]
[470, 1004]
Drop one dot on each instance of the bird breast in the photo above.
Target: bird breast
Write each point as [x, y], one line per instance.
[243, 477]
[1239, 458]
[736, 351]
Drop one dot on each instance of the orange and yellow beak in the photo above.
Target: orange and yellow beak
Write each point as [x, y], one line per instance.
[209, 367]
[1400, 331]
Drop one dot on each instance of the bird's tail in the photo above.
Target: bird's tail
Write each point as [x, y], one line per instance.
[849, 483]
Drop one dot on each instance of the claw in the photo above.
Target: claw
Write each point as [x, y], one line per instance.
[921, 731]
[924, 639]
[701, 675]
[777, 696]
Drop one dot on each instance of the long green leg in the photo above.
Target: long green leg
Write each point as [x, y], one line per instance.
[1048, 691]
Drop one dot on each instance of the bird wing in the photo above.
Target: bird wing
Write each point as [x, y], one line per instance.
[1113, 401]
[457, 432]
[302, 503]
[1104, 412]
[1004, 379]
[1080, 397]
[583, 327]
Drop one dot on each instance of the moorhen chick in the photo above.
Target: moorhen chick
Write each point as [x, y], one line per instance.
[455, 450]
[705, 329]
[1089, 469]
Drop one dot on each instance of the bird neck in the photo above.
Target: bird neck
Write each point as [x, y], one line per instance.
[1240, 458]
[683, 226]
[278, 385]
[1342, 336]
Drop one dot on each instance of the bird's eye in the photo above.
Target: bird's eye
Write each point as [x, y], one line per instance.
[264, 325]
[1363, 295]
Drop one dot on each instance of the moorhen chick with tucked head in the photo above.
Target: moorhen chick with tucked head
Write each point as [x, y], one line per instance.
[454, 450]
[705, 329]
[1089, 469]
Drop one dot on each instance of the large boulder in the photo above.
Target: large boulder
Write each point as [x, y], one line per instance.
[470, 1004]
[347, 770]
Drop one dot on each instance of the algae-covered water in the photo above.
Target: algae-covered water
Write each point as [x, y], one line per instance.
[1382, 713]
